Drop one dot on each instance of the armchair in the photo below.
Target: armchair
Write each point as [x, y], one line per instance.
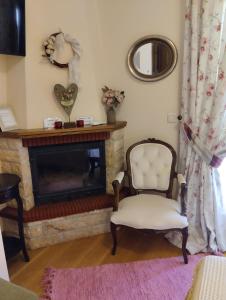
[150, 169]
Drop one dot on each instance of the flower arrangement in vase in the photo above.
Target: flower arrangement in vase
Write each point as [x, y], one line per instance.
[112, 99]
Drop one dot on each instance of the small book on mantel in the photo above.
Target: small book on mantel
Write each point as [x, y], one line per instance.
[95, 123]
[89, 120]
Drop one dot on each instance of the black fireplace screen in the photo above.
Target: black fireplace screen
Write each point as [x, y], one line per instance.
[64, 172]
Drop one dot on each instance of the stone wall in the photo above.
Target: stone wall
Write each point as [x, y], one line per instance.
[48, 232]
[114, 152]
[14, 159]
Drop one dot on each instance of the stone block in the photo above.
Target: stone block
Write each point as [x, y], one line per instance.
[3, 143]
[77, 221]
[9, 155]
[115, 146]
[14, 144]
[34, 231]
[48, 232]
[117, 134]
[28, 203]
[43, 241]
[59, 237]
[113, 163]
[10, 167]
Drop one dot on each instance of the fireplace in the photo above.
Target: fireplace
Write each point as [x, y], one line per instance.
[52, 223]
[69, 171]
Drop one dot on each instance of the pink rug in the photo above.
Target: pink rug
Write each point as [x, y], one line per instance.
[157, 279]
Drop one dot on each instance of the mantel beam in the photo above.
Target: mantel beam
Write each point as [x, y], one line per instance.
[41, 137]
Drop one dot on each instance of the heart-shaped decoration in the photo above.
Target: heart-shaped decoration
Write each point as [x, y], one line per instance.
[66, 97]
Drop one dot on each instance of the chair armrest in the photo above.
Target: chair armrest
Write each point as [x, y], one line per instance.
[181, 179]
[117, 185]
[119, 177]
[182, 182]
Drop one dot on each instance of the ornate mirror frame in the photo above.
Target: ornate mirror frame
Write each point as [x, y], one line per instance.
[145, 40]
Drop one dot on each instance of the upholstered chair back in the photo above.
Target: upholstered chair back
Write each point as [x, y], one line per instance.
[151, 165]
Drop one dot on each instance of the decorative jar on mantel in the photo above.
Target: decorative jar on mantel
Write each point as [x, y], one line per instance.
[111, 99]
[111, 115]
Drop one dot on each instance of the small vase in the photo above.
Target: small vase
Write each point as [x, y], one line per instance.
[111, 115]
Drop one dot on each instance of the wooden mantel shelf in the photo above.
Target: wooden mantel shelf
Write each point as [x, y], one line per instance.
[41, 132]
[41, 136]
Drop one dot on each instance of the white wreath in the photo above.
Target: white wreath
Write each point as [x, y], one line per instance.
[56, 42]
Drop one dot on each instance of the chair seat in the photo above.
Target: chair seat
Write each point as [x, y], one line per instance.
[145, 211]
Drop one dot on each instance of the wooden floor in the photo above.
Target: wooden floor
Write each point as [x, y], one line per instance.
[88, 252]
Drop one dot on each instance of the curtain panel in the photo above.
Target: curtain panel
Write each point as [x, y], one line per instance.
[203, 109]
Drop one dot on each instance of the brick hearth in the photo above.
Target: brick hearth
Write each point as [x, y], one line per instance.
[62, 209]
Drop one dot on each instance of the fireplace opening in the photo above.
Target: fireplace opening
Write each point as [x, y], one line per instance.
[64, 172]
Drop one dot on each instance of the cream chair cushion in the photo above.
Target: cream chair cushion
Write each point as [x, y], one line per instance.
[145, 211]
[150, 166]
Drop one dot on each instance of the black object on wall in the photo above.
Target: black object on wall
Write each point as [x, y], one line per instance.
[12, 27]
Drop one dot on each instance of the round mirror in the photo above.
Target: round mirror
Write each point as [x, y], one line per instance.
[152, 58]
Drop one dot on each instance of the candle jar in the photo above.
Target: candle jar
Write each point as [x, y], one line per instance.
[80, 123]
[58, 125]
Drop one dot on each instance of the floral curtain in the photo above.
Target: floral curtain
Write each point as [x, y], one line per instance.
[202, 138]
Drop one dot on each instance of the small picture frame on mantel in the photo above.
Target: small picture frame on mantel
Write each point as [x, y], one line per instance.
[7, 119]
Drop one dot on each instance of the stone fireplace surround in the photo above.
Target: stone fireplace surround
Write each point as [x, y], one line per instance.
[14, 158]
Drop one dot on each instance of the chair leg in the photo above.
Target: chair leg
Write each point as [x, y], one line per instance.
[184, 242]
[114, 238]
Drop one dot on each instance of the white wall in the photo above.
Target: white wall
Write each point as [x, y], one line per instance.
[106, 29]
[146, 104]
[3, 80]
[44, 18]
[16, 89]
[3, 267]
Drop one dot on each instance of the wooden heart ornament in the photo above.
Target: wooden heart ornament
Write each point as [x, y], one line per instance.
[66, 97]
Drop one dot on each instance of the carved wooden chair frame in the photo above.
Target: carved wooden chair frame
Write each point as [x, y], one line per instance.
[118, 184]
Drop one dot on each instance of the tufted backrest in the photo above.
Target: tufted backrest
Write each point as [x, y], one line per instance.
[150, 165]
